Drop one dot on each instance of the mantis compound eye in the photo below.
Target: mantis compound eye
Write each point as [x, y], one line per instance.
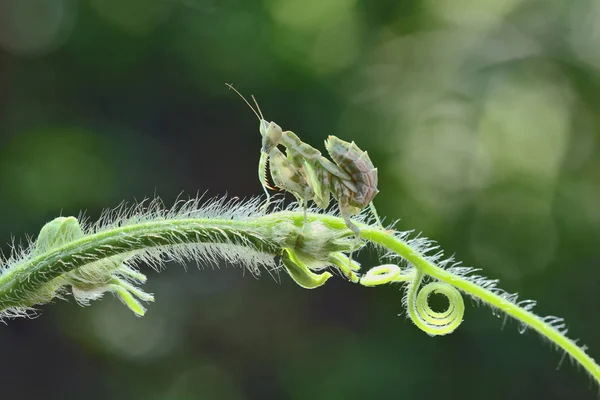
[263, 127]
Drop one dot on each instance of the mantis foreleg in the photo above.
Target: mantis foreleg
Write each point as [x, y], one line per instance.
[262, 176]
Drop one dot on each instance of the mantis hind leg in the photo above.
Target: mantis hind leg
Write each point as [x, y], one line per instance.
[345, 211]
[374, 212]
[351, 226]
[307, 195]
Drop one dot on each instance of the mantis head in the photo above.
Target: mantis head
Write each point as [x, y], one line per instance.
[270, 131]
[271, 134]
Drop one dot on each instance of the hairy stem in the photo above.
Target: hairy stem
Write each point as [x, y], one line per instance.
[490, 298]
[306, 251]
[31, 274]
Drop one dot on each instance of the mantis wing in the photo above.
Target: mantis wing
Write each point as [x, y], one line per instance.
[318, 185]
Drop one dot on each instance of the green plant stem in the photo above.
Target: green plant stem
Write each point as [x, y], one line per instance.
[385, 239]
[492, 299]
[30, 275]
[264, 233]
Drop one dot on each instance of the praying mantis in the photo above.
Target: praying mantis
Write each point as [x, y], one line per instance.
[351, 179]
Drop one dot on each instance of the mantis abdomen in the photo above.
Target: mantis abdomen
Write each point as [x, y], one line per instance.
[357, 164]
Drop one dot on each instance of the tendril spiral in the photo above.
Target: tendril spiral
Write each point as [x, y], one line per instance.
[417, 301]
[430, 321]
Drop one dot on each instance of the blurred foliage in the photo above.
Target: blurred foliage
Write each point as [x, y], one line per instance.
[480, 114]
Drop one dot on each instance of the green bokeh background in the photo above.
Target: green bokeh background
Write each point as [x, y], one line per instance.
[480, 114]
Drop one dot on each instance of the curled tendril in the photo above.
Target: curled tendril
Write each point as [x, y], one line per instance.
[430, 321]
[380, 275]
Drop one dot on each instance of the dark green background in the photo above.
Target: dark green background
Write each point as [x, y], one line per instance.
[482, 116]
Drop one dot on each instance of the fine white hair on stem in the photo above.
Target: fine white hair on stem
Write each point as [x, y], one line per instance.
[92, 259]
[431, 253]
[212, 248]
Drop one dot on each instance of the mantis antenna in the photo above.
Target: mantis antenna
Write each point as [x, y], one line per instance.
[264, 159]
[258, 107]
[259, 116]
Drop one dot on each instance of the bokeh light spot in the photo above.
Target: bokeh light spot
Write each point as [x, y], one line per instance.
[309, 15]
[56, 167]
[472, 12]
[134, 16]
[140, 339]
[525, 125]
[336, 46]
[584, 31]
[35, 27]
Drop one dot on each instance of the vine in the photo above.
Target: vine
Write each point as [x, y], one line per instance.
[89, 260]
